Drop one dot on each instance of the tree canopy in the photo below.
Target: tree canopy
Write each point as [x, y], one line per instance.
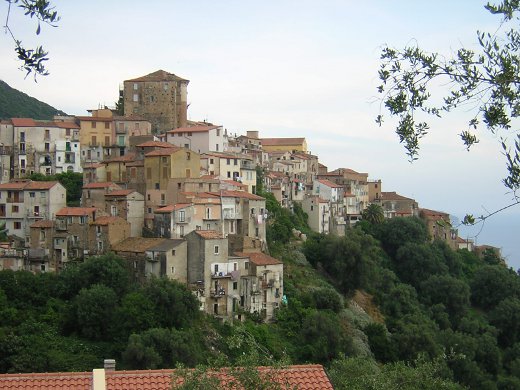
[487, 79]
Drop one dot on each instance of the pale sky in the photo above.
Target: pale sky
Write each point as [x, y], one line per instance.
[287, 69]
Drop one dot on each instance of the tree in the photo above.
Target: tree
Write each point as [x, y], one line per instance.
[374, 214]
[506, 317]
[492, 284]
[33, 59]
[488, 79]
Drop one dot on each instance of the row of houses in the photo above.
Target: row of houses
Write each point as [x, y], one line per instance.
[179, 201]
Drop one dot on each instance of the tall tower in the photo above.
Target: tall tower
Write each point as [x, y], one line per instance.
[160, 97]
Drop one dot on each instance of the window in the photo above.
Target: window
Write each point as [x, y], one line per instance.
[179, 186]
[47, 146]
[93, 124]
[136, 97]
[246, 265]
[113, 210]
[216, 147]
[173, 268]
[107, 125]
[157, 186]
[218, 132]
[188, 156]
[136, 86]
[211, 161]
[229, 175]
[67, 132]
[15, 209]
[228, 161]
[100, 245]
[22, 163]
[43, 194]
[181, 230]
[149, 210]
[235, 266]
[235, 161]
[215, 250]
[235, 285]
[208, 226]
[182, 215]
[164, 159]
[186, 146]
[17, 225]
[82, 220]
[32, 194]
[173, 252]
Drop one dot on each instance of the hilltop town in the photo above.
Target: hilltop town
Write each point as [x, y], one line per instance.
[177, 198]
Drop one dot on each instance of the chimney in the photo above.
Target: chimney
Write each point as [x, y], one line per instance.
[109, 364]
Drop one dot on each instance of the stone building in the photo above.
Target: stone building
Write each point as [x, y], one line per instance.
[160, 97]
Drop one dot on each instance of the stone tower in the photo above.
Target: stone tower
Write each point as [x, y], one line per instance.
[160, 97]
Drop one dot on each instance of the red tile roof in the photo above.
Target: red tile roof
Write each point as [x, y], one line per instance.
[103, 184]
[23, 122]
[172, 207]
[393, 196]
[433, 213]
[75, 211]
[304, 377]
[66, 125]
[193, 129]
[155, 144]
[259, 258]
[159, 75]
[125, 158]
[237, 194]
[44, 223]
[40, 185]
[28, 185]
[209, 234]
[137, 244]
[163, 151]
[329, 183]
[282, 141]
[107, 220]
[120, 193]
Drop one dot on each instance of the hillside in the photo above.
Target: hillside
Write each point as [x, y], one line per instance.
[16, 104]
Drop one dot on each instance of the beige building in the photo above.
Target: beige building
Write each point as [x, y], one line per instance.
[395, 205]
[93, 194]
[159, 257]
[284, 144]
[23, 202]
[39, 254]
[230, 166]
[105, 232]
[318, 211]
[201, 138]
[160, 97]
[129, 205]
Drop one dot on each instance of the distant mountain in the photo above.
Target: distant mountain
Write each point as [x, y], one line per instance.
[16, 104]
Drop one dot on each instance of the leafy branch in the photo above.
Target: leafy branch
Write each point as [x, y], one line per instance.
[33, 59]
[488, 79]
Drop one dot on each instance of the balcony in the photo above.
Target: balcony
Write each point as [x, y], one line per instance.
[220, 275]
[219, 293]
[229, 214]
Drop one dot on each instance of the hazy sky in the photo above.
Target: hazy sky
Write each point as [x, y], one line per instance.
[288, 69]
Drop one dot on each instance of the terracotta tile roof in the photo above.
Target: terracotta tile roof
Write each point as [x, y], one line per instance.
[349, 195]
[47, 381]
[329, 183]
[304, 377]
[209, 234]
[155, 144]
[120, 193]
[237, 194]
[393, 196]
[159, 75]
[135, 163]
[75, 211]
[259, 258]
[103, 184]
[163, 151]
[321, 200]
[172, 207]
[107, 220]
[28, 185]
[137, 244]
[126, 158]
[15, 185]
[66, 125]
[43, 223]
[193, 129]
[40, 185]
[433, 213]
[23, 122]
[282, 141]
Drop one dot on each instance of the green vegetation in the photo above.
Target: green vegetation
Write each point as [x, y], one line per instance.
[382, 307]
[16, 104]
